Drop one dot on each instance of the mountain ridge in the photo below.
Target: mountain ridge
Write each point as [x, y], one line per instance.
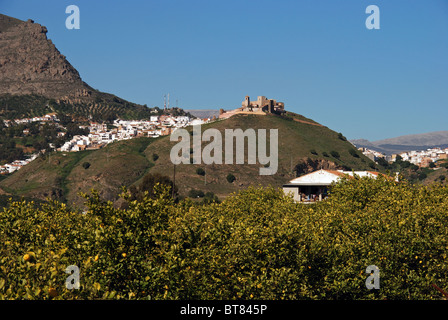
[404, 143]
[31, 64]
[35, 74]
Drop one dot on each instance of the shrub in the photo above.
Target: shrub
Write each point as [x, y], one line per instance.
[335, 154]
[341, 136]
[210, 197]
[155, 156]
[353, 153]
[325, 154]
[86, 165]
[405, 164]
[230, 178]
[148, 185]
[313, 151]
[383, 162]
[200, 171]
[193, 193]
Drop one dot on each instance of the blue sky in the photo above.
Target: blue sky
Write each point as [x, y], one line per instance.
[317, 56]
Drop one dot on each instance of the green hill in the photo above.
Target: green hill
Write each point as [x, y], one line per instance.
[303, 145]
[302, 148]
[62, 175]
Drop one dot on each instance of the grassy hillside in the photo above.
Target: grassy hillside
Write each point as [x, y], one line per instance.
[303, 145]
[297, 141]
[63, 175]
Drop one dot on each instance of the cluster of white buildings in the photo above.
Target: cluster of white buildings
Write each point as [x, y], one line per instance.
[45, 118]
[420, 158]
[16, 165]
[372, 154]
[100, 134]
[423, 158]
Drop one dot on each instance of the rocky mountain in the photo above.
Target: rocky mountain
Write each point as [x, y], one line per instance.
[406, 143]
[35, 75]
[31, 64]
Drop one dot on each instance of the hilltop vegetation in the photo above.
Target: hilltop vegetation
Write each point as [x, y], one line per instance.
[303, 147]
[257, 244]
[105, 107]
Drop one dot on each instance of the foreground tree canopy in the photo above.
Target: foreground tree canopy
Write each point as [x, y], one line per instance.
[258, 244]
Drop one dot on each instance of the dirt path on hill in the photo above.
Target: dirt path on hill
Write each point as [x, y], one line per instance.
[307, 122]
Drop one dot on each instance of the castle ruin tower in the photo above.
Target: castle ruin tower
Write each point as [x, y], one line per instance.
[246, 102]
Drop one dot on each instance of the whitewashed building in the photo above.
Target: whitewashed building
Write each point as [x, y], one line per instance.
[314, 186]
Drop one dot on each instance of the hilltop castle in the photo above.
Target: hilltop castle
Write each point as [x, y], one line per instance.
[262, 104]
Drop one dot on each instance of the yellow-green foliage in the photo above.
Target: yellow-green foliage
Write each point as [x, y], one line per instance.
[258, 244]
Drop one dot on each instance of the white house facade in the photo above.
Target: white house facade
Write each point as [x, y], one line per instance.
[314, 186]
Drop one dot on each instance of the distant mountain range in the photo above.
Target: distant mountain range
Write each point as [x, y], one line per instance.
[406, 143]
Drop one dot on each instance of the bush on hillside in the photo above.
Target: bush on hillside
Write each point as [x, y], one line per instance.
[200, 171]
[341, 136]
[193, 193]
[210, 197]
[230, 178]
[147, 186]
[335, 154]
[353, 153]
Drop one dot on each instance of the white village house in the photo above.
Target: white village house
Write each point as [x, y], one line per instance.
[314, 186]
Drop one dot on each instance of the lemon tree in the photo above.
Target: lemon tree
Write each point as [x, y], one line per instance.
[257, 244]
